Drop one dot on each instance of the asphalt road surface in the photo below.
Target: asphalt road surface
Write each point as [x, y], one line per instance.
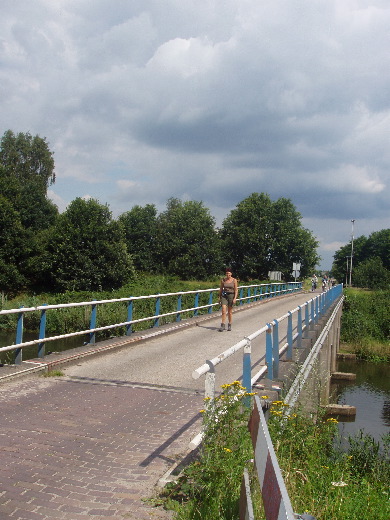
[169, 359]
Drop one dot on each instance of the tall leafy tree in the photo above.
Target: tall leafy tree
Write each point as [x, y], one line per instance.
[86, 249]
[27, 157]
[13, 250]
[365, 250]
[378, 245]
[290, 241]
[140, 228]
[247, 236]
[26, 172]
[260, 235]
[371, 274]
[187, 242]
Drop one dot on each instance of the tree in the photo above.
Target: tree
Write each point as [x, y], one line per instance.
[27, 170]
[27, 157]
[247, 236]
[377, 245]
[342, 259]
[371, 274]
[187, 243]
[86, 249]
[13, 250]
[261, 236]
[140, 228]
[290, 242]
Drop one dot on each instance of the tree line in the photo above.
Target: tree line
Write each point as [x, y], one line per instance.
[370, 261]
[85, 248]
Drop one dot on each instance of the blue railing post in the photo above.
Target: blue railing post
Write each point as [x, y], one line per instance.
[261, 294]
[178, 315]
[247, 371]
[289, 336]
[42, 333]
[19, 338]
[307, 317]
[268, 353]
[196, 304]
[210, 307]
[241, 293]
[157, 311]
[92, 324]
[275, 347]
[249, 295]
[318, 310]
[299, 327]
[129, 327]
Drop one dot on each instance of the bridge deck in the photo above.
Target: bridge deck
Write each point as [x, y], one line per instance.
[93, 444]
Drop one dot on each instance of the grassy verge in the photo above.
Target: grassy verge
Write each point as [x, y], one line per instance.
[322, 480]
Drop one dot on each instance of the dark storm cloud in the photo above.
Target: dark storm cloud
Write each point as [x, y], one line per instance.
[208, 100]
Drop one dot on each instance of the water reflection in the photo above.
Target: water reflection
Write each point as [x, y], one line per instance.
[369, 393]
[31, 352]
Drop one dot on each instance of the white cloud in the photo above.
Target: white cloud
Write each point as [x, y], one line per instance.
[353, 179]
[209, 99]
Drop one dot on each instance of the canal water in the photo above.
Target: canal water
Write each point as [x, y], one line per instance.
[58, 345]
[369, 393]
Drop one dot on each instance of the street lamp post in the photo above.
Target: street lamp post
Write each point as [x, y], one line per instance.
[350, 264]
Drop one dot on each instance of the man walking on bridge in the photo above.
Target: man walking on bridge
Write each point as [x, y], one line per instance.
[228, 291]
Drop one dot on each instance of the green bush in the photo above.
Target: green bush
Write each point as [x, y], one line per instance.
[366, 316]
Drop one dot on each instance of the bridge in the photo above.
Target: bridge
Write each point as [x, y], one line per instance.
[93, 442]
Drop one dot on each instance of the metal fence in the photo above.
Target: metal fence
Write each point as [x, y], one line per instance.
[168, 307]
[299, 320]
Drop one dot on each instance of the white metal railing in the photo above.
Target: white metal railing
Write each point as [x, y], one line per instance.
[254, 292]
[305, 315]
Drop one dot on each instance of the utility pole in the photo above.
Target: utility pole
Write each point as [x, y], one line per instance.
[350, 265]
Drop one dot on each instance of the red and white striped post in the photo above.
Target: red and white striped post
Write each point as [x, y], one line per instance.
[277, 505]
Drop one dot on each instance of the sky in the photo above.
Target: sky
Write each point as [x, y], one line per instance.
[208, 100]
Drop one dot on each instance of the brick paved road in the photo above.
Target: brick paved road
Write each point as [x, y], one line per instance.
[77, 450]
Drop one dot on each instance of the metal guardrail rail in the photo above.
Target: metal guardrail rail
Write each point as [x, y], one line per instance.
[299, 319]
[247, 294]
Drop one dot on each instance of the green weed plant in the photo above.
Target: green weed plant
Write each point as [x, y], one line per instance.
[322, 479]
